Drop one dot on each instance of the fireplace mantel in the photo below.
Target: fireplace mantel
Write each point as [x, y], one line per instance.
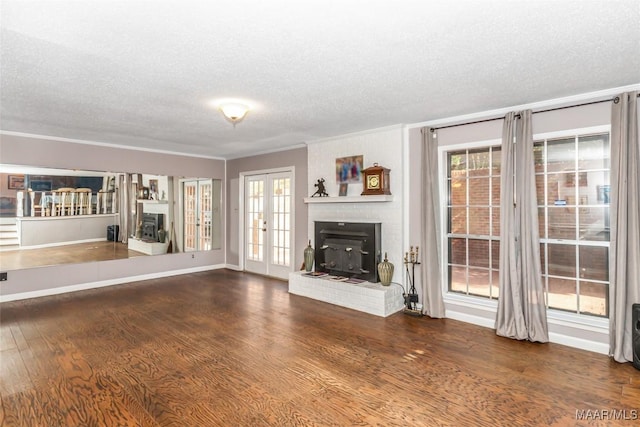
[349, 199]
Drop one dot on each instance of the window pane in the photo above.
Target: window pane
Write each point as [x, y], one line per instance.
[479, 162]
[562, 189]
[562, 260]
[458, 191]
[593, 152]
[458, 220]
[458, 251]
[479, 253]
[593, 298]
[562, 223]
[561, 155]
[496, 160]
[458, 279]
[495, 255]
[541, 223]
[495, 191]
[457, 164]
[479, 191]
[479, 282]
[479, 221]
[563, 294]
[495, 286]
[495, 217]
[538, 156]
[594, 224]
[594, 262]
[540, 191]
[596, 182]
[543, 258]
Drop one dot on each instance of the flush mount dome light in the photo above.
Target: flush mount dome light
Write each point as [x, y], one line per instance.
[234, 112]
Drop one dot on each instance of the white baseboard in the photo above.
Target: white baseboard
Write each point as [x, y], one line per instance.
[554, 337]
[233, 267]
[104, 283]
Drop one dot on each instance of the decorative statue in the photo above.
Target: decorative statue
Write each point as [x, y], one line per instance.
[321, 191]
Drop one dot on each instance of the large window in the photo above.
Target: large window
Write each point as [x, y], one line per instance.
[572, 183]
[473, 226]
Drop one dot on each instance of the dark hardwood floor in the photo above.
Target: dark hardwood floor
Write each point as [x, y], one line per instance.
[223, 348]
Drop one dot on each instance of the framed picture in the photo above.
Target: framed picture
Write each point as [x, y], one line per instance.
[348, 169]
[153, 185]
[343, 189]
[16, 182]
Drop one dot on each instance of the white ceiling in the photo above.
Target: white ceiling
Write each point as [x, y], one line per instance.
[144, 73]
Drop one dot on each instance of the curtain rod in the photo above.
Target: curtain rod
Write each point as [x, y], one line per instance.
[615, 100]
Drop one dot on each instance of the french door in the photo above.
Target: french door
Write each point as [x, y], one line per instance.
[268, 221]
[198, 203]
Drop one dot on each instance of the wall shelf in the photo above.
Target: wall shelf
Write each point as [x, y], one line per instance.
[349, 199]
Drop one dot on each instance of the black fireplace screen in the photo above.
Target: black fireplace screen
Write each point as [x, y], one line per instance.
[348, 249]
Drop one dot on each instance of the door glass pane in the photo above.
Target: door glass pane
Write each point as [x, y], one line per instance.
[255, 218]
[205, 215]
[190, 217]
[281, 206]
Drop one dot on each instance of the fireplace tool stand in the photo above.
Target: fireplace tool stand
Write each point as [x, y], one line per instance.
[411, 297]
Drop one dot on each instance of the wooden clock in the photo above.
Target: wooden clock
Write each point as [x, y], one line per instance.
[375, 180]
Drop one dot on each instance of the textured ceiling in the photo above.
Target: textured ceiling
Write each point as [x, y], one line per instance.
[144, 73]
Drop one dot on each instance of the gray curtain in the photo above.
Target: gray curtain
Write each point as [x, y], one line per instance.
[521, 304]
[432, 305]
[624, 251]
[123, 207]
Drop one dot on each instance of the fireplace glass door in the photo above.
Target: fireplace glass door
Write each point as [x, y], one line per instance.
[268, 222]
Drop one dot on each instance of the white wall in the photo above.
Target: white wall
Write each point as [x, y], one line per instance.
[383, 146]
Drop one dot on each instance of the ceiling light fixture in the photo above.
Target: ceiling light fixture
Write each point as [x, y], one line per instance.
[234, 112]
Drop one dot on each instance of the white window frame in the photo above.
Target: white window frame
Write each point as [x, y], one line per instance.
[486, 307]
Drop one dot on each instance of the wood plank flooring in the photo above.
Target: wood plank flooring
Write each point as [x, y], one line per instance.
[65, 254]
[224, 348]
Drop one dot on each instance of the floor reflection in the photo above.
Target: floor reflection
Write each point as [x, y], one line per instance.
[66, 254]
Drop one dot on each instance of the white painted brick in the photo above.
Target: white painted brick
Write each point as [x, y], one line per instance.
[371, 298]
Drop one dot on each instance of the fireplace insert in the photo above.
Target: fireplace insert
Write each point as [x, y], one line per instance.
[350, 249]
[151, 223]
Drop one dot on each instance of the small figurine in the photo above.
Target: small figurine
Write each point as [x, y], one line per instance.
[321, 191]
